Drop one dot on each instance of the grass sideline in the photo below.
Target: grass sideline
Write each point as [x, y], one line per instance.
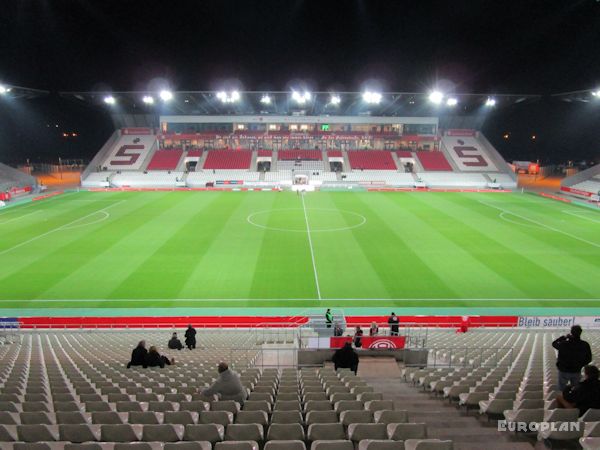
[252, 249]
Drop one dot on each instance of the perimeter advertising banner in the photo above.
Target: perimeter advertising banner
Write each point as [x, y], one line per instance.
[558, 321]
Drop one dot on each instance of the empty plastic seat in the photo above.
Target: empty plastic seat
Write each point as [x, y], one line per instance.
[181, 417]
[257, 405]
[288, 431]
[71, 417]
[356, 416]
[35, 418]
[118, 397]
[120, 433]
[236, 445]
[318, 405]
[221, 417]
[35, 406]
[378, 405]
[285, 445]
[321, 417]
[37, 433]
[225, 405]
[342, 396]
[368, 396]
[387, 416]
[287, 405]
[210, 432]
[349, 405]
[259, 417]
[244, 432]
[129, 406]
[162, 433]
[427, 444]
[326, 431]
[194, 405]
[524, 415]
[337, 444]
[359, 431]
[7, 418]
[79, 432]
[380, 444]
[8, 433]
[143, 418]
[287, 417]
[200, 445]
[97, 406]
[107, 417]
[403, 431]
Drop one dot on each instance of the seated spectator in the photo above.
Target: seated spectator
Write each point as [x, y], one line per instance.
[190, 337]
[175, 343]
[138, 355]
[345, 358]
[584, 395]
[155, 359]
[227, 386]
[374, 330]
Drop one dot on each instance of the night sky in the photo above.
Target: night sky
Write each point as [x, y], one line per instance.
[512, 46]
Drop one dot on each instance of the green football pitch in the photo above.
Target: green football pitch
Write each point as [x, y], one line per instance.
[361, 250]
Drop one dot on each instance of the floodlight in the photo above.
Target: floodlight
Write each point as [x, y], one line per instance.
[335, 99]
[232, 97]
[490, 101]
[372, 97]
[109, 100]
[165, 95]
[265, 99]
[436, 97]
[452, 101]
[300, 98]
[4, 89]
[595, 93]
[148, 99]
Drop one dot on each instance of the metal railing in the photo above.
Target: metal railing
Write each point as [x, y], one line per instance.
[470, 357]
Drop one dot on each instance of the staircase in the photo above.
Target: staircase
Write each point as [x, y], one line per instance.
[253, 167]
[347, 167]
[274, 157]
[417, 167]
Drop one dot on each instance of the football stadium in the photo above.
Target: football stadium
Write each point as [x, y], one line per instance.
[296, 267]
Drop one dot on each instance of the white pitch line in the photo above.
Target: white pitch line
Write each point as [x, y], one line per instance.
[312, 252]
[65, 226]
[542, 224]
[225, 300]
[20, 217]
[32, 203]
[581, 216]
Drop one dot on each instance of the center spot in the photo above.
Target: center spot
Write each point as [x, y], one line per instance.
[319, 220]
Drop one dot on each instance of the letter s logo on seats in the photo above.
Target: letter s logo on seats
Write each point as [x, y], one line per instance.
[132, 157]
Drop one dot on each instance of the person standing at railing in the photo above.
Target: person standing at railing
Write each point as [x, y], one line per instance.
[328, 318]
[573, 354]
[358, 334]
[394, 324]
[190, 337]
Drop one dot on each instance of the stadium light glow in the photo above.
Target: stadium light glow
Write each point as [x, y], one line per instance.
[490, 101]
[372, 97]
[335, 99]
[110, 100]
[232, 97]
[452, 101]
[265, 99]
[300, 98]
[148, 99]
[4, 89]
[165, 95]
[596, 93]
[436, 97]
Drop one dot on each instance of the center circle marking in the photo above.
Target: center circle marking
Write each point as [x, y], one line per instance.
[362, 220]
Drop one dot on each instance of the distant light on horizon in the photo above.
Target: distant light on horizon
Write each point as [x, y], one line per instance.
[436, 97]
[109, 100]
[165, 95]
[372, 97]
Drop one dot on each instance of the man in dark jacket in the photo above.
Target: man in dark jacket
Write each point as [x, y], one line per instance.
[190, 337]
[155, 359]
[585, 395]
[138, 355]
[573, 354]
[345, 358]
[175, 343]
[393, 321]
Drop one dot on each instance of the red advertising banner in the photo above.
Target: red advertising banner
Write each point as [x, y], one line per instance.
[371, 342]
[575, 191]
[460, 132]
[137, 131]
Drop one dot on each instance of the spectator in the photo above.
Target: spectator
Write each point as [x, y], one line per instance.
[155, 359]
[138, 355]
[328, 318]
[358, 334]
[228, 385]
[584, 395]
[573, 354]
[175, 343]
[374, 330]
[393, 321]
[345, 358]
[190, 337]
[337, 329]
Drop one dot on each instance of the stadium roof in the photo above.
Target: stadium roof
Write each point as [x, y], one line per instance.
[11, 91]
[584, 96]
[300, 103]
